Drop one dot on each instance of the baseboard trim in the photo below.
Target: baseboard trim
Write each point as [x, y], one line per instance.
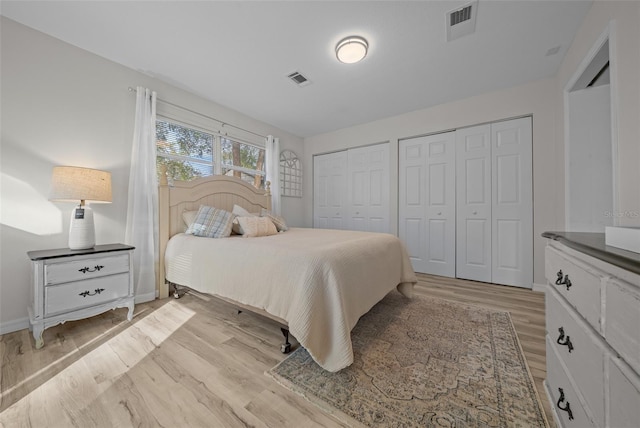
[147, 297]
[540, 288]
[14, 325]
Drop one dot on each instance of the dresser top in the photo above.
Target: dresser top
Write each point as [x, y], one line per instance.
[66, 252]
[594, 245]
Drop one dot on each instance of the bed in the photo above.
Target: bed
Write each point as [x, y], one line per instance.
[317, 283]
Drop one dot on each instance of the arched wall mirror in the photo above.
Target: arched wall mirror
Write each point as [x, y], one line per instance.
[290, 174]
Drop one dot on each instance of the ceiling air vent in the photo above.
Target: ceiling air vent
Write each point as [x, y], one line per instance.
[297, 78]
[461, 21]
[459, 16]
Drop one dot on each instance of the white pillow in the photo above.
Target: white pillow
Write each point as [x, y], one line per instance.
[257, 226]
[189, 216]
[240, 212]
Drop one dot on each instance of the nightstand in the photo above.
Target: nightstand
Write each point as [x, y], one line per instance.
[68, 285]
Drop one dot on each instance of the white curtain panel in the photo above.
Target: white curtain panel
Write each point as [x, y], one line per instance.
[142, 213]
[273, 171]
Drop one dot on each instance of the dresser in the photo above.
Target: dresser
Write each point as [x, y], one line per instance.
[593, 331]
[68, 285]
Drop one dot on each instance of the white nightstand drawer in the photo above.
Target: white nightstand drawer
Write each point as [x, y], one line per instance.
[624, 395]
[563, 396]
[90, 292]
[579, 284]
[580, 349]
[622, 320]
[78, 270]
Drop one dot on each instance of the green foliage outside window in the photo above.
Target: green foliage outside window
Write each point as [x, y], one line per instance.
[246, 156]
[189, 153]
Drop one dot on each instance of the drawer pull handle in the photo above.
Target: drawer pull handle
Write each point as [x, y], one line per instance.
[89, 293]
[566, 408]
[563, 281]
[85, 269]
[567, 341]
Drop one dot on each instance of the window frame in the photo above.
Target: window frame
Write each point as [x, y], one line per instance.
[216, 164]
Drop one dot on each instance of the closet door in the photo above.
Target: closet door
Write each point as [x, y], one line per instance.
[427, 202]
[473, 203]
[368, 188]
[330, 191]
[512, 203]
[412, 204]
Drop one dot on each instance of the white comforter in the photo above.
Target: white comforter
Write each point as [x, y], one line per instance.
[320, 281]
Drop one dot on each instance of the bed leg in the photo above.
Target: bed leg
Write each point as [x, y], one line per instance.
[286, 346]
[176, 291]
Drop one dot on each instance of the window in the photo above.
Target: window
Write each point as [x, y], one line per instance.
[244, 161]
[190, 153]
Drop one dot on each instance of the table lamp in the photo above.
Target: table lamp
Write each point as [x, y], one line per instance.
[71, 184]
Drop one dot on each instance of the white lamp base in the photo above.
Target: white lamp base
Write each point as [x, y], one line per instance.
[82, 233]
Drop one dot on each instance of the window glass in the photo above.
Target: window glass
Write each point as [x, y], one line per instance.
[187, 152]
[243, 160]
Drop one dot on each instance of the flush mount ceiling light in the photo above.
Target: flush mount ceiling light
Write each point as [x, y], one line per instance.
[351, 49]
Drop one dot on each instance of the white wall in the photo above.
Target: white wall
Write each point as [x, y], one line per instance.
[589, 174]
[65, 106]
[623, 18]
[537, 99]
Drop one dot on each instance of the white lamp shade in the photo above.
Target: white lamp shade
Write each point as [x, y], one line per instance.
[73, 184]
[351, 49]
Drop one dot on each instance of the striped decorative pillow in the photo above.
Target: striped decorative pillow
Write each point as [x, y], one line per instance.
[281, 225]
[240, 212]
[257, 226]
[211, 223]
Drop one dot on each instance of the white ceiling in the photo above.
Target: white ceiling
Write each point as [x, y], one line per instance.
[238, 53]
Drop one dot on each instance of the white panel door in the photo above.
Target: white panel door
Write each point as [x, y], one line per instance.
[330, 191]
[427, 202]
[473, 203]
[512, 203]
[412, 205]
[358, 189]
[441, 204]
[368, 188]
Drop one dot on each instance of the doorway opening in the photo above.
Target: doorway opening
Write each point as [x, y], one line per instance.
[589, 146]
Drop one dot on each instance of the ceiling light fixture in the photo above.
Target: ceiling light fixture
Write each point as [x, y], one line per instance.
[351, 49]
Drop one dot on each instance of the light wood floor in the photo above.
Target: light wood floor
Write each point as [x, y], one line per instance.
[193, 362]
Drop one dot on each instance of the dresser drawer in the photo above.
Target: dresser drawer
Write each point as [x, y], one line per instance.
[581, 351]
[80, 294]
[583, 293]
[82, 269]
[557, 380]
[624, 396]
[622, 320]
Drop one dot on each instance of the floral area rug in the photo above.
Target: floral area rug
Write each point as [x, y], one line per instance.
[424, 362]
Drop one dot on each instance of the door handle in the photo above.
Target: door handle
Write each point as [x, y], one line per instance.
[475, 212]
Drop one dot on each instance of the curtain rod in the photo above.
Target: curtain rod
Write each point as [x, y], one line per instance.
[223, 124]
